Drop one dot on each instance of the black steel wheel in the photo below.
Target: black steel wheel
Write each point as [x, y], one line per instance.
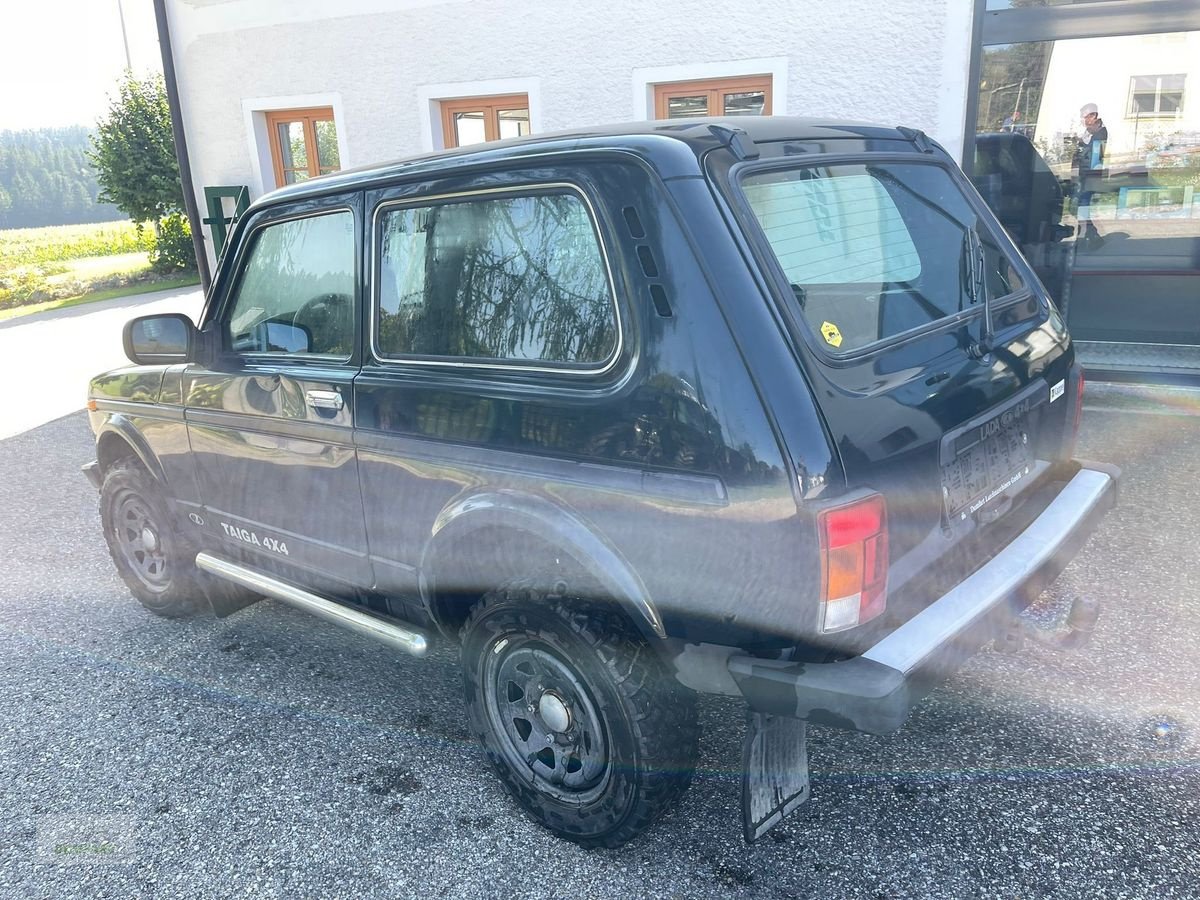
[584, 725]
[148, 555]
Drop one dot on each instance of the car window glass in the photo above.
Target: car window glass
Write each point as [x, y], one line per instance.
[835, 230]
[871, 251]
[517, 278]
[296, 292]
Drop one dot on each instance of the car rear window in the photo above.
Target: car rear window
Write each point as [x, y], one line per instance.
[874, 250]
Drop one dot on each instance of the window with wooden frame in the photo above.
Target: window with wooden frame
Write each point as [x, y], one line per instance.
[303, 144]
[473, 120]
[748, 95]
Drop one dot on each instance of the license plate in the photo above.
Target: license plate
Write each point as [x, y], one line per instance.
[987, 470]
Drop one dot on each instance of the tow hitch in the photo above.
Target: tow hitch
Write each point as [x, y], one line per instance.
[1080, 623]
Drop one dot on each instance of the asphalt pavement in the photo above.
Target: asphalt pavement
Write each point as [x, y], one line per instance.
[47, 358]
[269, 754]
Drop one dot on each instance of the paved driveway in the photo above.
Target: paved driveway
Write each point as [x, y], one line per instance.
[47, 358]
[272, 755]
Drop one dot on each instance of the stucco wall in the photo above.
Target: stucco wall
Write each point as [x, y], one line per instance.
[379, 62]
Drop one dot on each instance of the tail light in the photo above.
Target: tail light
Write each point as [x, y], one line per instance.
[854, 563]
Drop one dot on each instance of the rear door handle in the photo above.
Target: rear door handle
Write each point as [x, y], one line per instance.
[324, 399]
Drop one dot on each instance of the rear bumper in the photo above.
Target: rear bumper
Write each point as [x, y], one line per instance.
[874, 692]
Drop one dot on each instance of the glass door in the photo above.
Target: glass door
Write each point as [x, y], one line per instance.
[1088, 150]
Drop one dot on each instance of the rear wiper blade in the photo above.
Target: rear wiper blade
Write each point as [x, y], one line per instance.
[976, 266]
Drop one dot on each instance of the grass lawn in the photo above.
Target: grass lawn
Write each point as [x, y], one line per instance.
[49, 268]
[185, 280]
[38, 246]
[91, 268]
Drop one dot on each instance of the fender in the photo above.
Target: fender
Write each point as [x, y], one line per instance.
[118, 427]
[555, 526]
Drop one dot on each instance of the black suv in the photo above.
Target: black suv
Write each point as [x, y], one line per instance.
[769, 408]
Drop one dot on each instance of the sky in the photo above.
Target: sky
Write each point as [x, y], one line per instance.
[62, 58]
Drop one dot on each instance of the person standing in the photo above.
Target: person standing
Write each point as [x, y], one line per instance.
[1089, 163]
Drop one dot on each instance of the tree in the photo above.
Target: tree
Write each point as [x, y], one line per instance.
[134, 152]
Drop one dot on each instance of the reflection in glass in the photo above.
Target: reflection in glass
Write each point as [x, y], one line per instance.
[327, 146]
[1156, 95]
[1088, 151]
[864, 248]
[291, 144]
[469, 128]
[160, 335]
[513, 122]
[294, 151]
[514, 278]
[301, 274]
[746, 103]
[993, 5]
[684, 107]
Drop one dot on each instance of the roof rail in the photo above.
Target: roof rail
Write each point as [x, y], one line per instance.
[918, 137]
[736, 139]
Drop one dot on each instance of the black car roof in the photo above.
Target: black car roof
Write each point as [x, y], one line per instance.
[660, 141]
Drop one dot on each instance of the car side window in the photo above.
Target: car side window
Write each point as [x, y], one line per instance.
[296, 291]
[514, 278]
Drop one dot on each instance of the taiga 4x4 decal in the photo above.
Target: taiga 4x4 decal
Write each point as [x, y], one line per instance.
[246, 536]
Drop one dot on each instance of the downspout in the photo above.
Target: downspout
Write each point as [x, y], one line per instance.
[181, 152]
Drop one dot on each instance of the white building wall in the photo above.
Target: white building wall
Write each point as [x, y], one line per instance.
[1099, 70]
[382, 64]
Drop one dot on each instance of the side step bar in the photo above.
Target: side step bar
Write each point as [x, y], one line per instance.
[407, 639]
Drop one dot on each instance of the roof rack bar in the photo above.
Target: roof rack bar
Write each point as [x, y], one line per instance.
[736, 139]
[918, 138]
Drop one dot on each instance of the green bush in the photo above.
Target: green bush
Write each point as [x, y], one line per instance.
[173, 248]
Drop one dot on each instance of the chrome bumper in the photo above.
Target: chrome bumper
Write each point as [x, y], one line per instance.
[874, 692]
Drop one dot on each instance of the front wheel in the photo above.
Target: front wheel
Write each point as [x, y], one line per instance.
[148, 554]
[584, 725]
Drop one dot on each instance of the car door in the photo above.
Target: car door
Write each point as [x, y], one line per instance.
[271, 419]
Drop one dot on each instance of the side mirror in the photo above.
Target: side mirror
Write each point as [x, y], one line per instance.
[281, 337]
[158, 340]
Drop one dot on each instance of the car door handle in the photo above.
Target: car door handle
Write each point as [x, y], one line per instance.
[324, 399]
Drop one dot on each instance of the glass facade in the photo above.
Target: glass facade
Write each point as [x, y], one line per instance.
[1088, 150]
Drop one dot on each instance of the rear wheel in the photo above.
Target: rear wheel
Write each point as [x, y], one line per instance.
[149, 557]
[584, 725]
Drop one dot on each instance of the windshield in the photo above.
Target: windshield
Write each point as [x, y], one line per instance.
[874, 250]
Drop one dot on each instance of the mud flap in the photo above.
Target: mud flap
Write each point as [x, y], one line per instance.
[774, 771]
[226, 598]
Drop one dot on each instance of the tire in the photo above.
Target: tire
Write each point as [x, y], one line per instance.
[534, 662]
[149, 556]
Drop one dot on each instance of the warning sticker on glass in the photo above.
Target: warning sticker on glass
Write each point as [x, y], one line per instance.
[830, 332]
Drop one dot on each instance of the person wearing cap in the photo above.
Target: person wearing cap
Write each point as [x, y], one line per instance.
[1089, 161]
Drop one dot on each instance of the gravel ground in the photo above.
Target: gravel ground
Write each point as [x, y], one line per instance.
[271, 755]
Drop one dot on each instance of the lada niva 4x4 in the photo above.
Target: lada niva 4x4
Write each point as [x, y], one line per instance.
[769, 408]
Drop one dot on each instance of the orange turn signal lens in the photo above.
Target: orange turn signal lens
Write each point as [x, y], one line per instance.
[854, 563]
[844, 572]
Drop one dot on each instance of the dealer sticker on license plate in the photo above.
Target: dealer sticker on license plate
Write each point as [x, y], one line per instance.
[987, 470]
